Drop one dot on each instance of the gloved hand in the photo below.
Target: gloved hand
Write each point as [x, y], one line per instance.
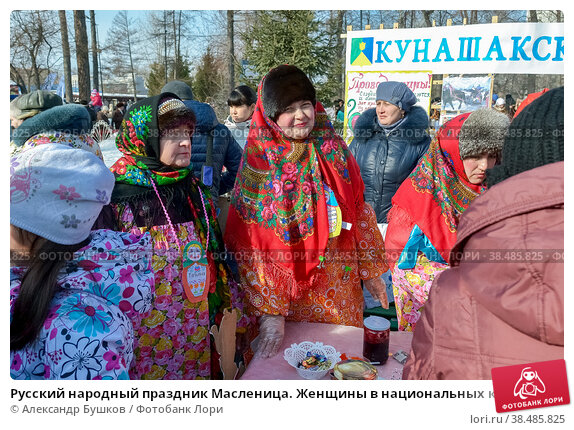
[378, 290]
[271, 332]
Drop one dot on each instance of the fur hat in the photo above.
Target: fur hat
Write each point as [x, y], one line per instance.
[57, 192]
[284, 85]
[483, 133]
[535, 137]
[179, 88]
[172, 113]
[396, 93]
[28, 105]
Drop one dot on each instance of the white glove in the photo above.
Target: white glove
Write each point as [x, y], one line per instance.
[271, 332]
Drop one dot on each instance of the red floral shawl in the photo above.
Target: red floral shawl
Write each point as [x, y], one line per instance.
[278, 208]
[437, 192]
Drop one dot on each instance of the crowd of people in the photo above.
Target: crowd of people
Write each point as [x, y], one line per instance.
[132, 271]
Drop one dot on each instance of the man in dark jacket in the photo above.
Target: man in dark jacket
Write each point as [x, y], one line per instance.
[118, 115]
[226, 151]
[387, 153]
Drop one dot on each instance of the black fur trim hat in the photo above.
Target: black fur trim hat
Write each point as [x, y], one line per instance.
[284, 85]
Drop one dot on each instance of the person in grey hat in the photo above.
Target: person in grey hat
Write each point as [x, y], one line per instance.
[28, 105]
[388, 142]
[516, 292]
[427, 206]
[226, 152]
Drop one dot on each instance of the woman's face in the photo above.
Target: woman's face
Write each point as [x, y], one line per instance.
[388, 113]
[475, 167]
[15, 123]
[297, 120]
[175, 147]
[241, 113]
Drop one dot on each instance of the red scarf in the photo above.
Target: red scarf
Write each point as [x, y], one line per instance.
[437, 192]
[278, 209]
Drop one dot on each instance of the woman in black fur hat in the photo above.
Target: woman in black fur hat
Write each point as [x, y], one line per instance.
[298, 209]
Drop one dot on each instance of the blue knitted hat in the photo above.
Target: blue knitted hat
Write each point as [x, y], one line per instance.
[396, 93]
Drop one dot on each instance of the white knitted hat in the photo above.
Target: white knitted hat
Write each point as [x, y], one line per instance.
[57, 192]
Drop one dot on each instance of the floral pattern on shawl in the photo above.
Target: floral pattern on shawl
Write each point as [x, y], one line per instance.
[278, 205]
[436, 175]
[284, 200]
[137, 128]
[437, 192]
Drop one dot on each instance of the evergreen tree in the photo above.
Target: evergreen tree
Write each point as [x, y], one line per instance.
[295, 37]
[208, 78]
[286, 37]
[156, 77]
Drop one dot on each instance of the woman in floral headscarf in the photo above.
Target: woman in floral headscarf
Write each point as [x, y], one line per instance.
[424, 217]
[156, 192]
[303, 236]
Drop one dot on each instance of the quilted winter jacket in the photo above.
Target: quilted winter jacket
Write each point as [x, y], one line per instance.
[502, 301]
[386, 161]
[226, 151]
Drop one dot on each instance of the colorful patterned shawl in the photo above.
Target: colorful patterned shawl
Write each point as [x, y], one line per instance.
[278, 208]
[437, 192]
[138, 140]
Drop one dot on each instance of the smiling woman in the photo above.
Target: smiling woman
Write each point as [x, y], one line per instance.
[304, 237]
[297, 120]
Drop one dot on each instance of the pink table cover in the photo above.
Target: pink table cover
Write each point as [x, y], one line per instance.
[345, 339]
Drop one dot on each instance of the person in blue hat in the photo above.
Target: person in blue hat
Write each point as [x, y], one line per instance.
[388, 142]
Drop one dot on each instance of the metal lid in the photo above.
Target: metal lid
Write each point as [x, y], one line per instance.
[354, 369]
[377, 323]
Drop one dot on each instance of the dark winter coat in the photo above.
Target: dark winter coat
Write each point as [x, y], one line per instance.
[226, 151]
[386, 161]
[117, 118]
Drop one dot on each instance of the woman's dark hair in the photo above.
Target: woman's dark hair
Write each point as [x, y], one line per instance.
[242, 95]
[38, 287]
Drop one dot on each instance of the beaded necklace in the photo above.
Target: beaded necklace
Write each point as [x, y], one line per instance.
[194, 262]
[169, 219]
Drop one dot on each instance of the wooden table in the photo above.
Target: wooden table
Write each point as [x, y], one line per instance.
[345, 339]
